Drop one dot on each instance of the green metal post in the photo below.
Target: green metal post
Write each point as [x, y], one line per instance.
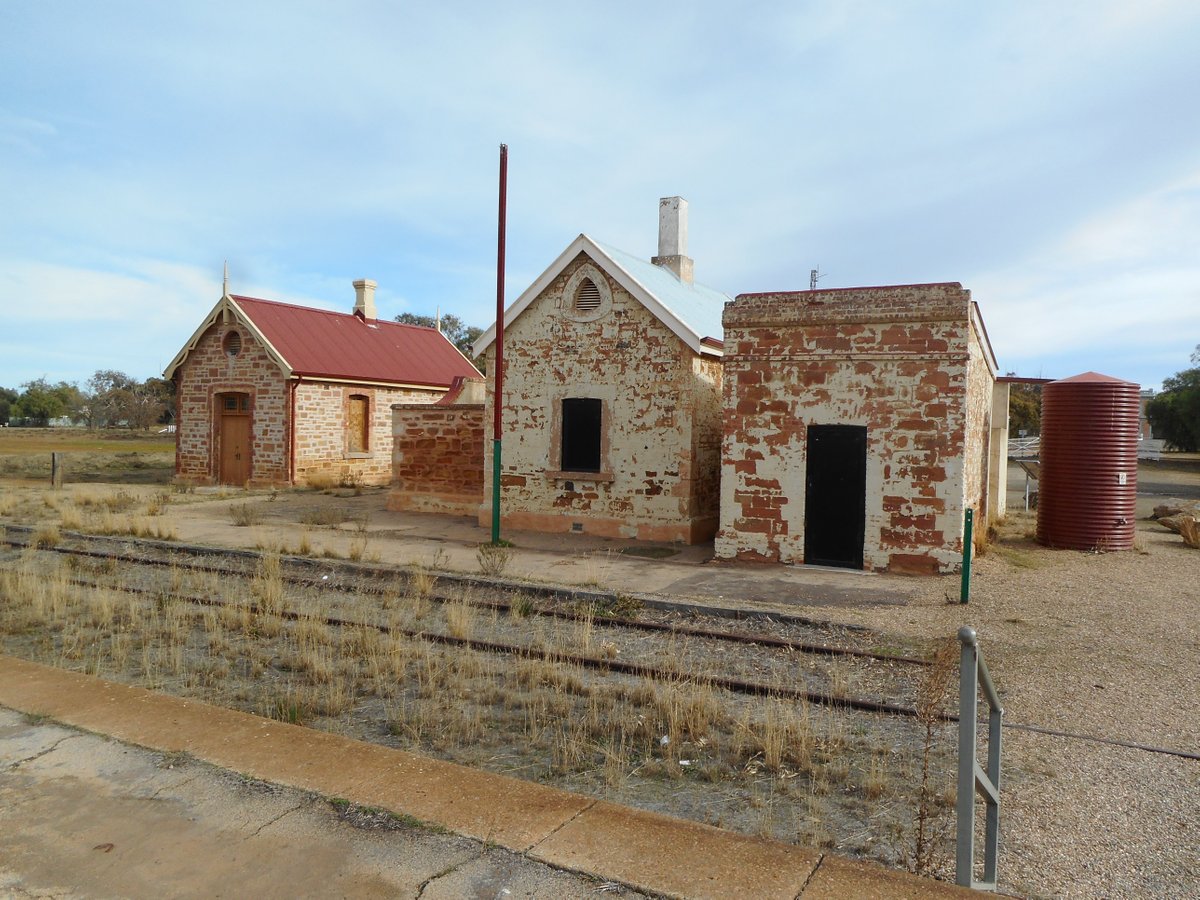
[496, 491]
[966, 563]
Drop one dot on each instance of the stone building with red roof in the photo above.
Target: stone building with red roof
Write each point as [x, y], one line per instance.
[273, 393]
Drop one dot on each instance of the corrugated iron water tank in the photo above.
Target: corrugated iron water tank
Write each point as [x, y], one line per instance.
[1087, 491]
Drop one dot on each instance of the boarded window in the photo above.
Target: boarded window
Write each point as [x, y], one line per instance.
[581, 423]
[357, 417]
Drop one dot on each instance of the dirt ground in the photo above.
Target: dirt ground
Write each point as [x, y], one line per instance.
[1099, 645]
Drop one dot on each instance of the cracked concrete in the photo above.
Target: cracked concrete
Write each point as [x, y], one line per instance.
[196, 830]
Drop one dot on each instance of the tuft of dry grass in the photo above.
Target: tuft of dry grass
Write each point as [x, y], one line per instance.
[493, 559]
[47, 537]
[932, 695]
[245, 514]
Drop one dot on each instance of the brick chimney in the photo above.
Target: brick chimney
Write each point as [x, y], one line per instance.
[364, 299]
[672, 238]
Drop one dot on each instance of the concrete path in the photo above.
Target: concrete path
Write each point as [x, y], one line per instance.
[148, 805]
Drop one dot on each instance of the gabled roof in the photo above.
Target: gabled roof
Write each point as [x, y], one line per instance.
[691, 311]
[317, 343]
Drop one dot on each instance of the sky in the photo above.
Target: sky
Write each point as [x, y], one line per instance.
[1045, 155]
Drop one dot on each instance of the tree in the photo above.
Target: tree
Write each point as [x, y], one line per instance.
[8, 400]
[41, 401]
[1175, 413]
[456, 331]
[1024, 408]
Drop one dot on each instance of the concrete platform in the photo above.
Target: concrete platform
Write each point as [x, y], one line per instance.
[536, 825]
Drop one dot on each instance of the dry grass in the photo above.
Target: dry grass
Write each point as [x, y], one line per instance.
[618, 735]
[493, 559]
[245, 514]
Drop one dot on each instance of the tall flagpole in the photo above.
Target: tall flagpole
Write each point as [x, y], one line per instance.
[498, 393]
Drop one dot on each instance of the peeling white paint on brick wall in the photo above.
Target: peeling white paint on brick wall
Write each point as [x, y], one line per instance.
[897, 361]
[661, 419]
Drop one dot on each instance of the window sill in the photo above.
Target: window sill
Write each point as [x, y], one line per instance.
[358, 456]
[578, 476]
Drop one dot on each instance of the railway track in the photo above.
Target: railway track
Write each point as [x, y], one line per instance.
[571, 609]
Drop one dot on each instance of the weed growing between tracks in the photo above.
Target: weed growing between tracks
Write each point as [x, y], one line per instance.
[827, 777]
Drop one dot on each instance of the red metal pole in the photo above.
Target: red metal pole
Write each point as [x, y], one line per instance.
[498, 394]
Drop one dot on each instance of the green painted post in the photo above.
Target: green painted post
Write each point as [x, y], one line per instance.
[966, 563]
[496, 492]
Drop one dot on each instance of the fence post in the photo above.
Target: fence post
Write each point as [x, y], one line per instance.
[972, 778]
[968, 710]
[56, 470]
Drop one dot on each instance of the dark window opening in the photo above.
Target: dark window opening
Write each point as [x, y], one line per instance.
[581, 419]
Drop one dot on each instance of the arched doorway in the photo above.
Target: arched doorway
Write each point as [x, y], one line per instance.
[233, 419]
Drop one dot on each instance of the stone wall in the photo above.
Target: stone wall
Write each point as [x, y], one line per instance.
[438, 458]
[660, 420]
[980, 379]
[209, 371]
[323, 448]
[894, 360]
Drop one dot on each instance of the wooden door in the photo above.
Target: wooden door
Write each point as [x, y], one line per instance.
[235, 439]
[835, 504]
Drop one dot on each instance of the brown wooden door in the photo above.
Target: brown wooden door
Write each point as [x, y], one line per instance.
[235, 448]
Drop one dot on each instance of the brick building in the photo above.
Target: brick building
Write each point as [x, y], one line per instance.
[272, 393]
[858, 427]
[611, 415]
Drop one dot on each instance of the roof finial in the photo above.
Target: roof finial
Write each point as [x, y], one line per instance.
[225, 283]
[438, 319]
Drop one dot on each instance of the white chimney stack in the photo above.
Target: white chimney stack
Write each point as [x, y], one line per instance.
[672, 238]
[364, 299]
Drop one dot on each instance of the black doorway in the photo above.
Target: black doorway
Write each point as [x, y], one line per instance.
[835, 505]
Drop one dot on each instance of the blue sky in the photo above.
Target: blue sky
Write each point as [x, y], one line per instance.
[1046, 155]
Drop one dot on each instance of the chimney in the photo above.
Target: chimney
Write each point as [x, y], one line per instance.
[672, 238]
[364, 299]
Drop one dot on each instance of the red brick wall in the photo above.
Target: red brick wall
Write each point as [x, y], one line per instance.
[438, 458]
[893, 360]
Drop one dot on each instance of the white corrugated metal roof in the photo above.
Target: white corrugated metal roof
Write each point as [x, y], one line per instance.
[692, 311]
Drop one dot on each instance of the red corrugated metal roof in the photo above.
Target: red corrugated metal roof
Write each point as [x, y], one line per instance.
[320, 343]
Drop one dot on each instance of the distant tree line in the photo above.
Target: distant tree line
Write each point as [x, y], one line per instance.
[109, 399]
[1024, 408]
[1174, 414]
[457, 332]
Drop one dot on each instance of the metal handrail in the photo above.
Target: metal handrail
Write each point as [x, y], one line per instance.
[972, 779]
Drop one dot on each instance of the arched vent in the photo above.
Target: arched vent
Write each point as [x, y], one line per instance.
[587, 296]
[233, 344]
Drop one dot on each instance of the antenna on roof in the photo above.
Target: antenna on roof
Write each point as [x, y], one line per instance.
[814, 275]
[225, 283]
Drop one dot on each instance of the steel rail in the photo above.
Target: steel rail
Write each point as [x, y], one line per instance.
[733, 637]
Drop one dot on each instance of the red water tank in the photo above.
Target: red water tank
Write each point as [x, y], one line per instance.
[1087, 486]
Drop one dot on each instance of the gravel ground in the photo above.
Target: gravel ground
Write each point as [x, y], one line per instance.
[1098, 644]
